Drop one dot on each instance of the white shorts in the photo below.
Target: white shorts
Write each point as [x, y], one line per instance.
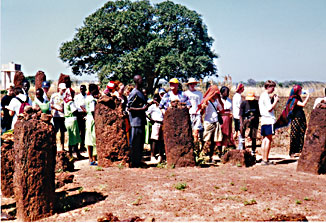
[196, 122]
[156, 131]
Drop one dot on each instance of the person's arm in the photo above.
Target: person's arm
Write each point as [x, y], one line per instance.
[274, 103]
[303, 103]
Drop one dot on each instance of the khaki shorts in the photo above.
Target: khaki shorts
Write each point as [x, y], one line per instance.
[212, 130]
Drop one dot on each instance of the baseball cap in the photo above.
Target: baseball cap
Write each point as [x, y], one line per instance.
[45, 84]
[174, 81]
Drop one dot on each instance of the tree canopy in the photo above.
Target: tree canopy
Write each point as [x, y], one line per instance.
[125, 38]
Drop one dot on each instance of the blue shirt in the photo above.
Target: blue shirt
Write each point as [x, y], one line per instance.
[136, 99]
[166, 100]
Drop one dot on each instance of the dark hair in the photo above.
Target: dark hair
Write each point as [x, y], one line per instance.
[93, 89]
[18, 90]
[157, 98]
[40, 90]
[269, 83]
[223, 89]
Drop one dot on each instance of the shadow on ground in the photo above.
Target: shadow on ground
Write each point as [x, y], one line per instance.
[67, 203]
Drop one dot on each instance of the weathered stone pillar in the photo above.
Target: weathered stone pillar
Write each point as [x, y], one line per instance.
[178, 137]
[34, 177]
[313, 155]
[7, 164]
[18, 79]
[39, 78]
[110, 129]
[239, 158]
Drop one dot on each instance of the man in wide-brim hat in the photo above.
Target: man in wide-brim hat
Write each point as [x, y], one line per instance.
[195, 98]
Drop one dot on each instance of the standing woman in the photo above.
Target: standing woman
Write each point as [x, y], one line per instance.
[40, 102]
[294, 113]
[90, 139]
[226, 115]
[70, 111]
[210, 106]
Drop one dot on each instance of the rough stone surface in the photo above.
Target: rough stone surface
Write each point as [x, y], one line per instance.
[34, 177]
[63, 163]
[239, 158]
[313, 155]
[288, 217]
[178, 137]
[7, 164]
[65, 79]
[111, 139]
[18, 79]
[39, 78]
[63, 178]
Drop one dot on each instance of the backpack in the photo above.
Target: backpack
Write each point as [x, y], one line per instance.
[23, 104]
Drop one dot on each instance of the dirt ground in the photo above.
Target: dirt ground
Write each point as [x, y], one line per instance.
[220, 192]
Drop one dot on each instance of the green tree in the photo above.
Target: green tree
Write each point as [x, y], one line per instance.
[125, 38]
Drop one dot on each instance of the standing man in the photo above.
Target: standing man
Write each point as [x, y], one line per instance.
[195, 98]
[81, 113]
[137, 106]
[56, 103]
[266, 107]
[173, 95]
[6, 118]
[249, 118]
[236, 102]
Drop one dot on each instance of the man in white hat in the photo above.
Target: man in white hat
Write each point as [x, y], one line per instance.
[56, 103]
[195, 98]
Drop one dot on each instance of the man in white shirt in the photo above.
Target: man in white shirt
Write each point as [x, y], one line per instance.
[80, 104]
[195, 98]
[236, 102]
[56, 103]
[266, 107]
[15, 104]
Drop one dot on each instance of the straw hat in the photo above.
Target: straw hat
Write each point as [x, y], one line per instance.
[192, 81]
[250, 96]
[174, 81]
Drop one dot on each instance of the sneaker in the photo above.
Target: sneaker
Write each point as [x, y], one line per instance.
[93, 163]
[265, 163]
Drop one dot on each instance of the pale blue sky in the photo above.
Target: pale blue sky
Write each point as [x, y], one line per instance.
[259, 39]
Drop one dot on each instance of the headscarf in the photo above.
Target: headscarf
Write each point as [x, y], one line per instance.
[286, 116]
[210, 93]
[68, 95]
[239, 87]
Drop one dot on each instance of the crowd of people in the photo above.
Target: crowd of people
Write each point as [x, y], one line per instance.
[213, 115]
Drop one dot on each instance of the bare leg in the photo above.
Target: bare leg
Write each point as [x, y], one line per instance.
[62, 140]
[90, 153]
[266, 146]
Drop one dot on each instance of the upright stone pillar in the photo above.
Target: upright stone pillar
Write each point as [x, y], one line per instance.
[110, 130]
[7, 164]
[18, 79]
[34, 177]
[39, 78]
[178, 137]
[313, 155]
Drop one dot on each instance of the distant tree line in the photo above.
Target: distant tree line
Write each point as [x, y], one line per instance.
[253, 83]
